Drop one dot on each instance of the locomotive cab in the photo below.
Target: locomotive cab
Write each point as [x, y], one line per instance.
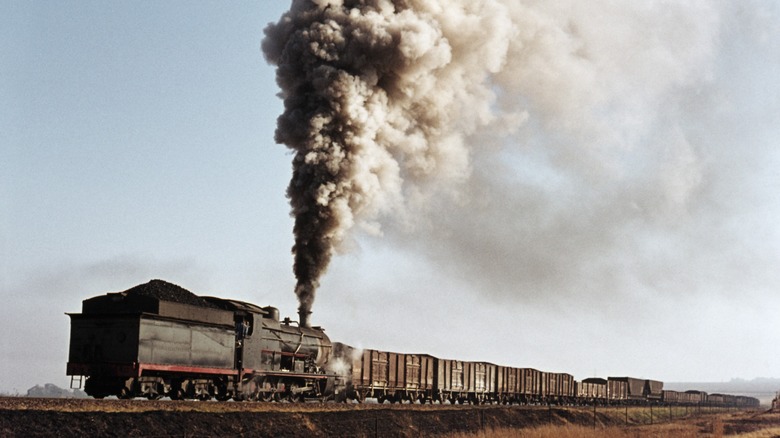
[277, 358]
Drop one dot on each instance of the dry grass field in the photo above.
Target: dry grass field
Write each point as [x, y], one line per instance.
[30, 417]
[730, 424]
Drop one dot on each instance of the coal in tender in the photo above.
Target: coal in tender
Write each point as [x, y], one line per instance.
[164, 291]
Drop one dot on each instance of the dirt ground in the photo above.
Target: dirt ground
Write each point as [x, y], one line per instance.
[26, 417]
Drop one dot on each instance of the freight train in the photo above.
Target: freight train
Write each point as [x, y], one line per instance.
[160, 340]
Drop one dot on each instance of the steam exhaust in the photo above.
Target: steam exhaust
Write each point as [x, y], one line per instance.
[304, 318]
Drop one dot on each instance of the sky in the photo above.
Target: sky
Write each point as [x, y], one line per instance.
[610, 207]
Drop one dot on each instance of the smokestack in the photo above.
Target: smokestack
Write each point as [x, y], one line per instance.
[304, 316]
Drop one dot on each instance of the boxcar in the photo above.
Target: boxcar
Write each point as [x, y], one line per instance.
[518, 385]
[697, 397]
[617, 391]
[654, 390]
[449, 382]
[411, 377]
[480, 381]
[636, 389]
[557, 387]
[673, 397]
[592, 390]
[460, 381]
[390, 376]
[716, 399]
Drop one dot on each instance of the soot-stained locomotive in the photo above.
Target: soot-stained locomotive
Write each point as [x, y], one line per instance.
[158, 339]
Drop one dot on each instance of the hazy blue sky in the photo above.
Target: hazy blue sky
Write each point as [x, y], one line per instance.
[136, 142]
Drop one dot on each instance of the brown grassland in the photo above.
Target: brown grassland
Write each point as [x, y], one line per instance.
[26, 417]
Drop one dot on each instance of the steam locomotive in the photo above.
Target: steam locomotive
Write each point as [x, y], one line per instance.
[158, 339]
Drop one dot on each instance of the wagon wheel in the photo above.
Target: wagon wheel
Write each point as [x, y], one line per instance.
[176, 394]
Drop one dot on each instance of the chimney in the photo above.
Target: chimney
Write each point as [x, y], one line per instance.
[304, 316]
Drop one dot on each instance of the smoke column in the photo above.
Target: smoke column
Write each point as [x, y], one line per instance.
[374, 110]
[527, 147]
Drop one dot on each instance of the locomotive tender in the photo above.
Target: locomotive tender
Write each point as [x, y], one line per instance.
[158, 339]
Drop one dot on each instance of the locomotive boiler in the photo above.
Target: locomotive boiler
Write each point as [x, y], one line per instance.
[158, 339]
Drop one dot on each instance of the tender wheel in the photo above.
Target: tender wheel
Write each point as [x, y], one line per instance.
[125, 393]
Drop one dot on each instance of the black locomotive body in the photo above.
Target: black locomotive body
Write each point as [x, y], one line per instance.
[157, 340]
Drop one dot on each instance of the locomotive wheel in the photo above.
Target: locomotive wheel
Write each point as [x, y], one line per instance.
[222, 393]
[292, 397]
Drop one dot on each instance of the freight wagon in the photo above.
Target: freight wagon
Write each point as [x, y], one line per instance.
[557, 388]
[464, 382]
[384, 375]
[592, 390]
[518, 385]
[617, 391]
[640, 390]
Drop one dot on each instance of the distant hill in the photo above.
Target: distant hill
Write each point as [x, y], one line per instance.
[51, 390]
[762, 388]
